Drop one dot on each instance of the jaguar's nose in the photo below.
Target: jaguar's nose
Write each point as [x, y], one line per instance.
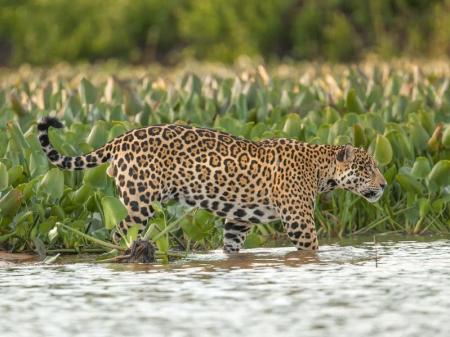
[383, 185]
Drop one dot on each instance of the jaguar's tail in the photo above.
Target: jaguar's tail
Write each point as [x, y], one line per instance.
[92, 159]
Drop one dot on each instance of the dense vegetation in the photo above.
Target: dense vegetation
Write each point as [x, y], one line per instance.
[401, 113]
[44, 31]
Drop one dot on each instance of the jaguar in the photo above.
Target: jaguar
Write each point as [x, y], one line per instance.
[243, 181]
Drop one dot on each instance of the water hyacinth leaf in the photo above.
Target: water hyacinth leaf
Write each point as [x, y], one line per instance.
[374, 121]
[132, 233]
[401, 147]
[285, 101]
[331, 115]
[98, 135]
[315, 117]
[229, 124]
[3, 143]
[419, 137]
[359, 137]
[198, 226]
[421, 167]
[322, 133]
[338, 128]
[383, 150]
[58, 212]
[88, 92]
[351, 118]
[17, 135]
[10, 203]
[81, 195]
[353, 102]
[3, 177]
[293, 126]
[446, 137]
[38, 164]
[252, 240]
[342, 140]
[440, 175]
[142, 118]
[15, 175]
[438, 205]
[52, 183]
[426, 119]
[131, 101]
[390, 174]
[409, 183]
[113, 210]
[434, 143]
[28, 189]
[16, 105]
[96, 176]
[424, 207]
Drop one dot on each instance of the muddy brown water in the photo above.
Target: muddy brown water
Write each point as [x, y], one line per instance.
[398, 287]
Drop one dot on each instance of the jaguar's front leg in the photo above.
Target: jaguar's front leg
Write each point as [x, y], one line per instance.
[302, 233]
[234, 235]
[298, 222]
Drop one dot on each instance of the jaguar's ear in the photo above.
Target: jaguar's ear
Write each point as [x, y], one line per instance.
[345, 153]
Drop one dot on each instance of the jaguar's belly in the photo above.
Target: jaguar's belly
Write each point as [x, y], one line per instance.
[246, 212]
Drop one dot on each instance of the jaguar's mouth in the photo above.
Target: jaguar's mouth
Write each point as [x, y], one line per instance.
[372, 195]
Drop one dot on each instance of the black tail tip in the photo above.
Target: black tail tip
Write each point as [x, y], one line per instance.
[47, 121]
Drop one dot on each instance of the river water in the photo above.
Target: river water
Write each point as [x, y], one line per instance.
[396, 287]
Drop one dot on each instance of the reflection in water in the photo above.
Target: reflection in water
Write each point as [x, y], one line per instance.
[339, 291]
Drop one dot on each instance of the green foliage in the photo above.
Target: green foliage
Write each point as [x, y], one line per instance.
[43, 32]
[398, 113]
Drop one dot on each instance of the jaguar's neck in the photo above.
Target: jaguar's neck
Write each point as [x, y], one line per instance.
[326, 166]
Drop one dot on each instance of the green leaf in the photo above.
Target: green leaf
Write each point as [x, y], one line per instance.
[81, 195]
[253, 240]
[293, 126]
[421, 167]
[424, 207]
[446, 137]
[88, 92]
[409, 183]
[96, 176]
[10, 203]
[400, 144]
[116, 131]
[3, 177]
[354, 104]
[199, 225]
[383, 150]
[114, 211]
[390, 174]
[17, 135]
[331, 115]
[52, 183]
[38, 164]
[419, 137]
[98, 135]
[440, 175]
[359, 137]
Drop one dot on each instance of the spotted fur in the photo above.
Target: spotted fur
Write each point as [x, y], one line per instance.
[242, 181]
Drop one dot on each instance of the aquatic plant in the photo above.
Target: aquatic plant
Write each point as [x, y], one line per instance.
[400, 113]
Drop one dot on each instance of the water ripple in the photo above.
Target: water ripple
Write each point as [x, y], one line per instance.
[399, 288]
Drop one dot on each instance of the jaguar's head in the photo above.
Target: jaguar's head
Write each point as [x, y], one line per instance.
[356, 171]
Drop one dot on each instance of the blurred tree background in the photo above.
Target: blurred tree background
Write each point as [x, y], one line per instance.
[167, 31]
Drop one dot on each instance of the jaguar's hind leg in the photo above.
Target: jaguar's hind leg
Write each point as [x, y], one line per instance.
[234, 235]
[139, 211]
